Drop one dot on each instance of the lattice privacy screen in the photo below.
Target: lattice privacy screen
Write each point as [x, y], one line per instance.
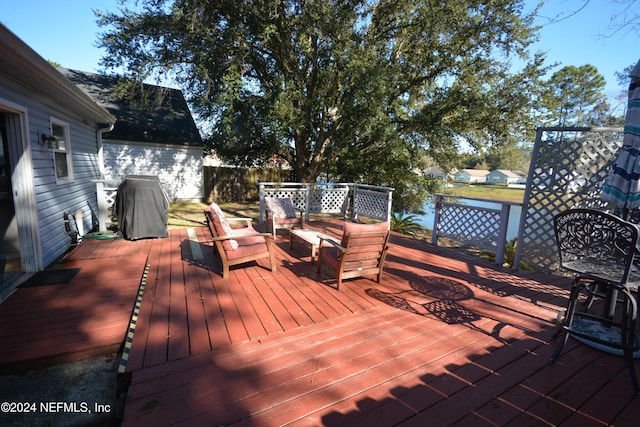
[373, 204]
[106, 193]
[568, 169]
[368, 200]
[477, 226]
[297, 195]
[320, 199]
[330, 200]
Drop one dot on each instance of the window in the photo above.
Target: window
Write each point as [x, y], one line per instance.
[61, 151]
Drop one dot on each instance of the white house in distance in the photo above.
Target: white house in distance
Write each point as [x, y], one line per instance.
[50, 137]
[436, 172]
[472, 175]
[152, 136]
[503, 176]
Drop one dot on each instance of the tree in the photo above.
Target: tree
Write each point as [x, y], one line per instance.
[511, 157]
[515, 158]
[576, 97]
[363, 90]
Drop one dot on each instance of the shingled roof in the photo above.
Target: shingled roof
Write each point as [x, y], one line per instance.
[166, 120]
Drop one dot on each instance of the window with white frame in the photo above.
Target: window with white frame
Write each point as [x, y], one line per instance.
[61, 150]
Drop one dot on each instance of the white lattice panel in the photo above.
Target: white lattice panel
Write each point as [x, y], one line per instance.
[371, 201]
[568, 169]
[477, 226]
[110, 196]
[331, 200]
[297, 195]
[373, 204]
[328, 200]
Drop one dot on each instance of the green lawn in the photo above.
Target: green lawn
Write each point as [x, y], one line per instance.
[492, 192]
[185, 215]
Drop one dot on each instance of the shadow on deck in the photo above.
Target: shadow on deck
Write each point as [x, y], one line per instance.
[443, 339]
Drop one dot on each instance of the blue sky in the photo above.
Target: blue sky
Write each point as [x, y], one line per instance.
[587, 37]
[65, 31]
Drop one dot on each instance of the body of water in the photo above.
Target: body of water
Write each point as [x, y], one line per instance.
[514, 215]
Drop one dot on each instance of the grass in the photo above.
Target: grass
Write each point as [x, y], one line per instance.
[190, 214]
[487, 191]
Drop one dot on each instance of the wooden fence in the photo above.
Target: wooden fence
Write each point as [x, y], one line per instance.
[238, 184]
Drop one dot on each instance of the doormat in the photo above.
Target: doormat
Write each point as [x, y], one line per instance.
[51, 277]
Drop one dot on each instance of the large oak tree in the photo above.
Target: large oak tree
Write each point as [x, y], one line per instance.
[360, 90]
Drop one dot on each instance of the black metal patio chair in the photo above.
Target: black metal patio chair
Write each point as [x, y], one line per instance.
[601, 250]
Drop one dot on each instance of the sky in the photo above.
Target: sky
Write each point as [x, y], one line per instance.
[580, 32]
[65, 31]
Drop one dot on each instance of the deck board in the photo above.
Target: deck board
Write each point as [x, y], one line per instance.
[443, 339]
[481, 340]
[154, 343]
[143, 322]
[179, 333]
[199, 341]
[415, 348]
[60, 320]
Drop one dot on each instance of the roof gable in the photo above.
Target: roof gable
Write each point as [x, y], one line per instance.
[19, 63]
[507, 173]
[166, 118]
[475, 172]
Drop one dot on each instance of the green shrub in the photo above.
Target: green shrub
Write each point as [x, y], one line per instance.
[405, 224]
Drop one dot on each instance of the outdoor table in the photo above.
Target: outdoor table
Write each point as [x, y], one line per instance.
[310, 237]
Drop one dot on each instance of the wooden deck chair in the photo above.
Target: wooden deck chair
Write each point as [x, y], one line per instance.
[361, 252]
[239, 245]
[281, 213]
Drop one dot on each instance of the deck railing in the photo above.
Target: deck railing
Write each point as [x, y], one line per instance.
[367, 200]
[482, 227]
[316, 198]
[106, 195]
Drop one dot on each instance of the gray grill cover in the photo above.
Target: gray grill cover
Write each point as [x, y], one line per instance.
[142, 207]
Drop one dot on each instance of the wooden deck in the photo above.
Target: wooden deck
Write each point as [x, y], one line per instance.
[69, 321]
[444, 339]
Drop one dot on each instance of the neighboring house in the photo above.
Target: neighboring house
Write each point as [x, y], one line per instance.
[50, 136]
[154, 136]
[472, 175]
[436, 172]
[521, 174]
[502, 176]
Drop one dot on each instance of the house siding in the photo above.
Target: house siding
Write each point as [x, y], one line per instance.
[502, 177]
[179, 168]
[54, 199]
[472, 177]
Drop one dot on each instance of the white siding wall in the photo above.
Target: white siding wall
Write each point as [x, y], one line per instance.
[178, 168]
[54, 199]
